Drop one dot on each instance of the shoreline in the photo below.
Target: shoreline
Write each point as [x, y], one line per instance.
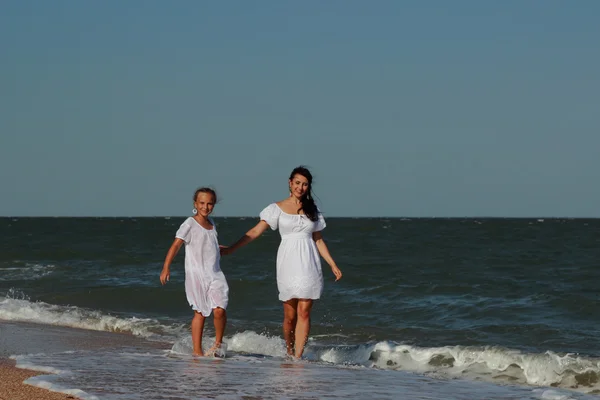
[13, 386]
[18, 337]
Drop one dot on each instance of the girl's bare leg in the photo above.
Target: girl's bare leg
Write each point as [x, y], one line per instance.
[197, 328]
[303, 325]
[220, 320]
[289, 324]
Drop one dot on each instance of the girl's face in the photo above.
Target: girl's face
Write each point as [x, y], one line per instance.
[298, 186]
[205, 202]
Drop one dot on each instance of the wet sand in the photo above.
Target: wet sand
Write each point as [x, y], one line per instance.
[13, 388]
[17, 338]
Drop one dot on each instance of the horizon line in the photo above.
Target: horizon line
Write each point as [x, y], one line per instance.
[254, 216]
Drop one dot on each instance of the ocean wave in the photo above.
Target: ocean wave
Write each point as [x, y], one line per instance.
[487, 363]
[48, 381]
[245, 343]
[26, 271]
[491, 363]
[23, 310]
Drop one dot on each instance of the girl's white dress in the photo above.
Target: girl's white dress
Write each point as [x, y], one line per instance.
[299, 274]
[205, 284]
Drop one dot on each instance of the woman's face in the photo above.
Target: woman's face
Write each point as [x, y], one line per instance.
[298, 186]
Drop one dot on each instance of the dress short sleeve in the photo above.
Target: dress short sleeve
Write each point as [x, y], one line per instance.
[183, 232]
[320, 223]
[271, 215]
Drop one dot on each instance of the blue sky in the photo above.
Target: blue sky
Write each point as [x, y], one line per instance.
[400, 108]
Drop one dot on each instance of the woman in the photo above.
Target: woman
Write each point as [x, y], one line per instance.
[299, 276]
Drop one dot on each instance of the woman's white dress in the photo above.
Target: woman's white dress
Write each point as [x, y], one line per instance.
[299, 274]
[205, 284]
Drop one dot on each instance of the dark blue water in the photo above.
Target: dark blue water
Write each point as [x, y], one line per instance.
[507, 301]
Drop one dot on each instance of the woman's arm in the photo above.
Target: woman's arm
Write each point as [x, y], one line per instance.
[324, 252]
[166, 273]
[247, 238]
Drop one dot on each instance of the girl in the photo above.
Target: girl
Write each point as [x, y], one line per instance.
[206, 288]
[299, 276]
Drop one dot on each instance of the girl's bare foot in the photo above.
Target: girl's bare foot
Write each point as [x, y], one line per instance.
[217, 350]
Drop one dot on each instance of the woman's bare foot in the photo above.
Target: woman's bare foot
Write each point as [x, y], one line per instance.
[292, 357]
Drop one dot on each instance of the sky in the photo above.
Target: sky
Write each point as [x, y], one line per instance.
[399, 108]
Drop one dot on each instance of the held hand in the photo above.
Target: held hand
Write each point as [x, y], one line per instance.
[225, 250]
[164, 276]
[337, 272]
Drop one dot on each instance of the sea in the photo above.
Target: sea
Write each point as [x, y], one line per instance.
[428, 308]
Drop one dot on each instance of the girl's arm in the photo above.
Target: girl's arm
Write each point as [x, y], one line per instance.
[247, 238]
[324, 252]
[166, 273]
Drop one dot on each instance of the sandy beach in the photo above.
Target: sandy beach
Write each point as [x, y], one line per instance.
[28, 338]
[13, 388]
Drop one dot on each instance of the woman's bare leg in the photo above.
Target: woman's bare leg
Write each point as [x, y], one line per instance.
[289, 324]
[303, 325]
[197, 328]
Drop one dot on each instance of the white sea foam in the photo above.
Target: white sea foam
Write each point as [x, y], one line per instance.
[47, 382]
[121, 375]
[252, 342]
[248, 342]
[22, 310]
[22, 363]
[495, 364]
[28, 271]
[551, 394]
[492, 363]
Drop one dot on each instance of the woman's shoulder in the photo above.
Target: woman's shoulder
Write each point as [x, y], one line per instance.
[271, 209]
[274, 206]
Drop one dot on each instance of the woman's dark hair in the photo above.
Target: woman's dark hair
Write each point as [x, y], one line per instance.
[205, 190]
[308, 203]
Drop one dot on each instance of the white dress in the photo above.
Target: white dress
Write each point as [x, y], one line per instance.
[205, 284]
[299, 274]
